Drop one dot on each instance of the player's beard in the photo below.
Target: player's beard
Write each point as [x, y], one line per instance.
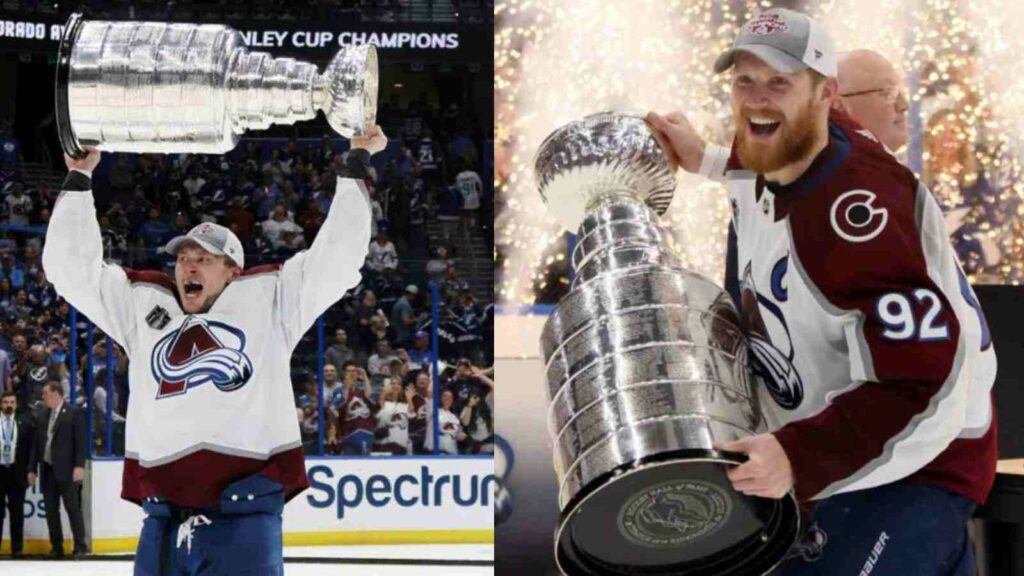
[8, 411]
[792, 144]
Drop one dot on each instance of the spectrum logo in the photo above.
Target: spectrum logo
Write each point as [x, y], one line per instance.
[405, 490]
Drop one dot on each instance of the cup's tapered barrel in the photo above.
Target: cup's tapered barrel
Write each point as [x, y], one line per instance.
[647, 369]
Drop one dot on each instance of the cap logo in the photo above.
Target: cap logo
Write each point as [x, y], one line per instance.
[205, 228]
[817, 54]
[766, 24]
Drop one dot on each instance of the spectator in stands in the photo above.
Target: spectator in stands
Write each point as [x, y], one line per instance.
[437, 267]
[400, 365]
[12, 271]
[6, 372]
[265, 198]
[326, 150]
[309, 418]
[311, 218]
[240, 218]
[182, 224]
[379, 330]
[339, 352]
[469, 381]
[470, 315]
[430, 157]
[421, 357]
[115, 242]
[365, 311]
[377, 221]
[19, 206]
[403, 317]
[277, 168]
[332, 387]
[194, 183]
[21, 305]
[390, 287]
[33, 374]
[356, 414]
[397, 408]
[419, 383]
[289, 197]
[60, 318]
[332, 446]
[449, 206]
[449, 425]
[282, 234]
[454, 284]
[382, 254]
[7, 298]
[378, 364]
[19, 348]
[41, 295]
[471, 187]
[478, 423]
[154, 234]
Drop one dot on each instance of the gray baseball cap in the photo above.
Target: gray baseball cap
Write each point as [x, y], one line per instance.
[787, 41]
[214, 238]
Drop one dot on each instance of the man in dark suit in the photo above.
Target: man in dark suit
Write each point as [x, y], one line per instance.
[17, 460]
[61, 454]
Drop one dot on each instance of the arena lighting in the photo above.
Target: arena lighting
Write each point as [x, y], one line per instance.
[956, 56]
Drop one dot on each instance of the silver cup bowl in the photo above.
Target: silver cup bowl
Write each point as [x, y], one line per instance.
[174, 87]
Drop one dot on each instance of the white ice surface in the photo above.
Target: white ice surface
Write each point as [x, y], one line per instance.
[291, 568]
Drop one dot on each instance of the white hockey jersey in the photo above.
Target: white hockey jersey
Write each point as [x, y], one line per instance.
[873, 354]
[211, 395]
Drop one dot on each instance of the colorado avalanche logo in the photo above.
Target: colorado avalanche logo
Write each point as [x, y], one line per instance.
[772, 357]
[199, 352]
[400, 421]
[766, 24]
[357, 408]
[855, 218]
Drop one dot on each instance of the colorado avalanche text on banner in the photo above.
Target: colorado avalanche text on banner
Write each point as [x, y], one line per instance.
[311, 41]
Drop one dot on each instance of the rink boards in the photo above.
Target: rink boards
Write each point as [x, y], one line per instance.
[365, 500]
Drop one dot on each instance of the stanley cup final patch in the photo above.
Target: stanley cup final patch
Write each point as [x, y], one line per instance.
[766, 24]
[158, 317]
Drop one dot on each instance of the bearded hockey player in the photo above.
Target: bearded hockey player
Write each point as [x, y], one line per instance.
[213, 449]
[873, 355]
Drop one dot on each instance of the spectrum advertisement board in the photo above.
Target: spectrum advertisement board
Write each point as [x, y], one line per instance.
[364, 500]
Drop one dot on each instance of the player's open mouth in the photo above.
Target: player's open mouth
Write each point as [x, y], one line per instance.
[761, 126]
[193, 288]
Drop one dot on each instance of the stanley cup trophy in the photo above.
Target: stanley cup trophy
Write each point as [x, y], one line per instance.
[646, 368]
[163, 87]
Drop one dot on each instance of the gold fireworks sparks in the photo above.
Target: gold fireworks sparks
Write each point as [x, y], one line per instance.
[559, 60]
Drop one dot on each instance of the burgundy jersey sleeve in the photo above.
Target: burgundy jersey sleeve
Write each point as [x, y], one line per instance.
[859, 242]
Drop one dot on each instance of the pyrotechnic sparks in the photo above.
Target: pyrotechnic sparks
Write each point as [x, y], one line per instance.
[557, 61]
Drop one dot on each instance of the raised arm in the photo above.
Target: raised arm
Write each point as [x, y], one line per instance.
[314, 279]
[685, 148]
[73, 256]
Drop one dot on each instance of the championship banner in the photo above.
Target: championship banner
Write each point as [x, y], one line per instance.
[314, 40]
